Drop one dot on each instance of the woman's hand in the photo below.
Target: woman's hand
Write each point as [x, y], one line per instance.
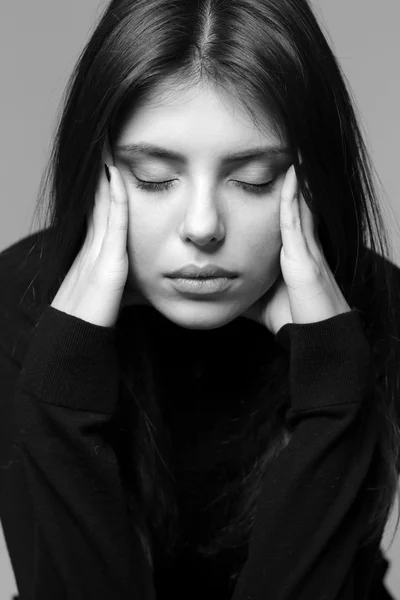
[94, 287]
[306, 290]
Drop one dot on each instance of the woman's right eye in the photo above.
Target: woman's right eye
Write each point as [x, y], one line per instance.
[154, 186]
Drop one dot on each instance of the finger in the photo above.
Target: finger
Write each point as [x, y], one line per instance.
[115, 240]
[309, 226]
[308, 219]
[294, 244]
[107, 151]
[99, 215]
[103, 184]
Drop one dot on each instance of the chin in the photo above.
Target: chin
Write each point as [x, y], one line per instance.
[199, 315]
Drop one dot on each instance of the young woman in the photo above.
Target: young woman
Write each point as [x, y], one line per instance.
[172, 429]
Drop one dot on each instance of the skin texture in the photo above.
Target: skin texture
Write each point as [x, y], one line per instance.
[204, 217]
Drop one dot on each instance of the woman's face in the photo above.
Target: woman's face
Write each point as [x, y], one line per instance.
[204, 216]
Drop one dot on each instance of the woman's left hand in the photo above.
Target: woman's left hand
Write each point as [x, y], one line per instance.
[306, 290]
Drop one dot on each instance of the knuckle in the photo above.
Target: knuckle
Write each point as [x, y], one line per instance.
[117, 221]
[296, 221]
[290, 222]
[118, 224]
[285, 226]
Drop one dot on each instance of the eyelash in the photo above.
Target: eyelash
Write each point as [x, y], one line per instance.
[252, 188]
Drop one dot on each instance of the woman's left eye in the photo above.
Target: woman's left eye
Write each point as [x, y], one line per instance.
[255, 188]
[158, 186]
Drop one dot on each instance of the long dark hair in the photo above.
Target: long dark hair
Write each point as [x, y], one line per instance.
[273, 55]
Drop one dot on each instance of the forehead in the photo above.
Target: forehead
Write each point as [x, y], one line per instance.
[196, 115]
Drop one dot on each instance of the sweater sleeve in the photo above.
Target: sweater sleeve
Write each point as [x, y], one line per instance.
[311, 511]
[85, 546]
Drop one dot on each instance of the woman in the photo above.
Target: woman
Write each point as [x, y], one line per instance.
[166, 436]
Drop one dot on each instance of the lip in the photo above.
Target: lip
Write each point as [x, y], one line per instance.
[201, 286]
[207, 271]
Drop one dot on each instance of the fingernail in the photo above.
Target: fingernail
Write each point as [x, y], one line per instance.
[107, 170]
[294, 189]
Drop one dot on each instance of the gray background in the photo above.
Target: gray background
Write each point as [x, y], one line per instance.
[39, 44]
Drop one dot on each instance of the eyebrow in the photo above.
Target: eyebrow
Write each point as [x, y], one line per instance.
[154, 151]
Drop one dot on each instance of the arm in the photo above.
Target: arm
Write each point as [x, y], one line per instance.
[66, 394]
[312, 506]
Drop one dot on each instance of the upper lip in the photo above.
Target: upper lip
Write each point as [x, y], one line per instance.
[192, 271]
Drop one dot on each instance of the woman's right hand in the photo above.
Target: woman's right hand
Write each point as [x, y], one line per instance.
[94, 286]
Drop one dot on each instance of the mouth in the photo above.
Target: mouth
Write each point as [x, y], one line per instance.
[201, 277]
[201, 285]
[204, 272]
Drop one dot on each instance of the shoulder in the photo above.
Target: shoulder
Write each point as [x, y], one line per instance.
[19, 293]
[384, 270]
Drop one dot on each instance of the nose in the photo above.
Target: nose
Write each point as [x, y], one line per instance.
[202, 223]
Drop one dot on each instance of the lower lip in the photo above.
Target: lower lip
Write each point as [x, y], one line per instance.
[202, 286]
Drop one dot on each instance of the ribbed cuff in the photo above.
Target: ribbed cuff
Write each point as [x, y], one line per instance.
[72, 363]
[330, 361]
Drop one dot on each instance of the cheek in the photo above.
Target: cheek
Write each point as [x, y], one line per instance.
[265, 254]
[142, 239]
[264, 244]
[264, 233]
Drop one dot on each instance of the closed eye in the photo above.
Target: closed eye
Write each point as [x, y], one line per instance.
[158, 186]
[256, 188]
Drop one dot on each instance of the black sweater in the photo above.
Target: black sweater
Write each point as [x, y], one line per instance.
[62, 502]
